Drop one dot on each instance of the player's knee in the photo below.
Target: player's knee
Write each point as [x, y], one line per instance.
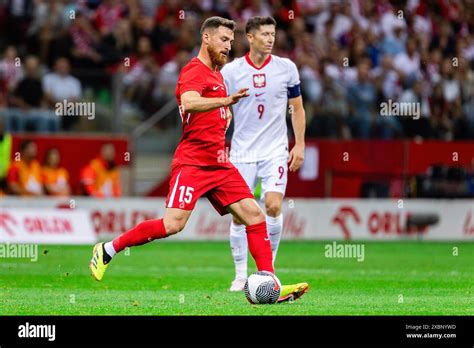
[236, 221]
[174, 226]
[257, 215]
[273, 209]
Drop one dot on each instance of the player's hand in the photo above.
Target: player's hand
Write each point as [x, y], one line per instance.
[228, 119]
[296, 157]
[234, 98]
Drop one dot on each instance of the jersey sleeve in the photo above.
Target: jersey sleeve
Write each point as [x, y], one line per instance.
[192, 80]
[293, 81]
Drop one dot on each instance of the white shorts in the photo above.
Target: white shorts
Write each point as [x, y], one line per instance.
[273, 173]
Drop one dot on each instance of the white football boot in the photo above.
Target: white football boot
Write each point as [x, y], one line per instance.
[238, 284]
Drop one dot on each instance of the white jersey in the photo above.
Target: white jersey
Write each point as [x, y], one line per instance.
[260, 130]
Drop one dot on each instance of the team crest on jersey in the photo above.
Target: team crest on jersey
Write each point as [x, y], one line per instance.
[259, 80]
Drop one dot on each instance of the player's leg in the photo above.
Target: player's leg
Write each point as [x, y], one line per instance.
[231, 194]
[274, 174]
[248, 211]
[274, 218]
[274, 179]
[239, 249]
[238, 236]
[186, 185]
[173, 222]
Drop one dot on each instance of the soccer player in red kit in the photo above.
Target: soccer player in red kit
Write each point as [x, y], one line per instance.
[200, 167]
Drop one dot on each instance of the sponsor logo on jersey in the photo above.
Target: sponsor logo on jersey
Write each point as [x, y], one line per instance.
[259, 94]
[259, 80]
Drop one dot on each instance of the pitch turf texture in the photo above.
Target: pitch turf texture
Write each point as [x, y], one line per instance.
[192, 278]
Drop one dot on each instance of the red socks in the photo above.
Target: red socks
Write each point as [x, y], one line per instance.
[144, 232]
[259, 246]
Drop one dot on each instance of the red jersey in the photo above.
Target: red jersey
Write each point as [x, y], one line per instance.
[203, 139]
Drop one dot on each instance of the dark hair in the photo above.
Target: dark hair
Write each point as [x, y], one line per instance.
[255, 23]
[216, 21]
[24, 144]
[48, 153]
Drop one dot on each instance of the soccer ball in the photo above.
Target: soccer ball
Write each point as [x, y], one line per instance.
[262, 287]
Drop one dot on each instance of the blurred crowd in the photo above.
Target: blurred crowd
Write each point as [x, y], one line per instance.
[352, 56]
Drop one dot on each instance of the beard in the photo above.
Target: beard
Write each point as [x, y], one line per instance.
[216, 57]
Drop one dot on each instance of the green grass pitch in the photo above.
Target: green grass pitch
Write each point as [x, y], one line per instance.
[192, 278]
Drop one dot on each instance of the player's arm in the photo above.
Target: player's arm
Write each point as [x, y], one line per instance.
[191, 101]
[298, 120]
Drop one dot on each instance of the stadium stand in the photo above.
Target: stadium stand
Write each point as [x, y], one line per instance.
[124, 57]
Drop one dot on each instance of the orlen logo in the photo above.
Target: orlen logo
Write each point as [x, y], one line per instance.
[389, 222]
[386, 222]
[6, 220]
[342, 217]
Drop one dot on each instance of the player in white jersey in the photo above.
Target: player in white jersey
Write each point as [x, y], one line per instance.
[259, 147]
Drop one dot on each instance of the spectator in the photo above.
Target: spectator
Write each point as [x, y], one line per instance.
[19, 14]
[24, 174]
[55, 178]
[361, 96]
[100, 178]
[466, 77]
[60, 85]
[331, 112]
[47, 24]
[169, 74]
[10, 72]
[433, 66]
[140, 80]
[85, 43]
[108, 15]
[256, 8]
[420, 127]
[449, 82]
[339, 70]
[30, 100]
[387, 79]
[408, 63]
[439, 119]
[394, 44]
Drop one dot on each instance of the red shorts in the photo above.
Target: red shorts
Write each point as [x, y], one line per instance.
[221, 186]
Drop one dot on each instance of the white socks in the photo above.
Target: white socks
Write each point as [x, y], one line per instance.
[239, 245]
[274, 229]
[109, 249]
